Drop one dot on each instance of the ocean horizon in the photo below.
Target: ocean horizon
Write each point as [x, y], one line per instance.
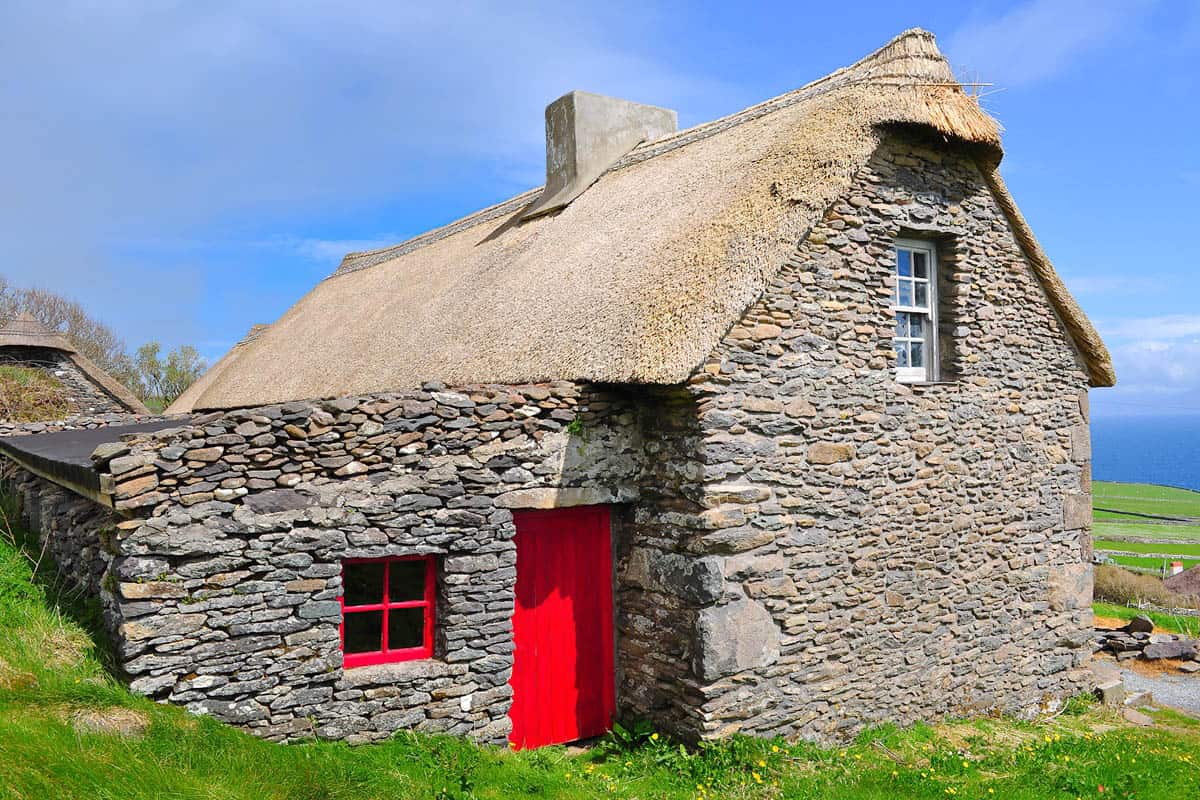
[1147, 449]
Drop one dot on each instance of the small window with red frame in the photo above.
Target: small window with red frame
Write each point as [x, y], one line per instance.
[387, 610]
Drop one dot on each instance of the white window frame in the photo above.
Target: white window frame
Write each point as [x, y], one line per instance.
[929, 349]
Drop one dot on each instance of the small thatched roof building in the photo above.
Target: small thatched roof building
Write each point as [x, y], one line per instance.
[636, 279]
[27, 342]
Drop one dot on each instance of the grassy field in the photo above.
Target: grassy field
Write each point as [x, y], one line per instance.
[1152, 563]
[53, 686]
[1116, 527]
[1144, 498]
[1168, 622]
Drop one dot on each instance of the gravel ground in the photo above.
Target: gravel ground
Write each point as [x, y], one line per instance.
[1176, 691]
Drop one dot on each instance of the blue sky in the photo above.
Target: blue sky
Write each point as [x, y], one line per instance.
[189, 169]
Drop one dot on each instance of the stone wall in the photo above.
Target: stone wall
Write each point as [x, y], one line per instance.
[865, 550]
[228, 572]
[84, 422]
[84, 397]
[77, 533]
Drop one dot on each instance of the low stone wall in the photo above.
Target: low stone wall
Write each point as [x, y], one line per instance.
[228, 572]
[77, 533]
[78, 422]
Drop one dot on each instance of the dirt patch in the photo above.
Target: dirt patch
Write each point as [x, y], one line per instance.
[14, 680]
[1116, 623]
[1155, 668]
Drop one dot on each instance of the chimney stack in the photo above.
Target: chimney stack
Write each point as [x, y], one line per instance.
[585, 135]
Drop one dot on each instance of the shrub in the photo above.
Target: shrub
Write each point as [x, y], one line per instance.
[1117, 585]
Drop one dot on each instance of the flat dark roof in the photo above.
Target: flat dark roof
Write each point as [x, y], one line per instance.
[65, 457]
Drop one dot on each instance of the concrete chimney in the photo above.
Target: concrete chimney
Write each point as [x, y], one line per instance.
[1176, 567]
[588, 133]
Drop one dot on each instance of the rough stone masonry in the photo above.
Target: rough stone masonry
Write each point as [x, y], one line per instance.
[805, 546]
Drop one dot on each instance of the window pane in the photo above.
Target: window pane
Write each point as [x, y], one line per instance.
[916, 326]
[901, 324]
[903, 262]
[904, 294]
[363, 583]
[407, 581]
[917, 354]
[922, 295]
[901, 354]
[920, 264]
[363, 631]
[406, 627]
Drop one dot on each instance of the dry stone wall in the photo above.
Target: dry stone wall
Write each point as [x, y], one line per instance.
[228, 573]
[879, 551]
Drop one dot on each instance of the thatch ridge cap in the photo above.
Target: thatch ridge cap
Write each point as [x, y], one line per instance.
[364, 259]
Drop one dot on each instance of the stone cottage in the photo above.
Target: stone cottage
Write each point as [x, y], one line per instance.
[89, 390]
[776, 425]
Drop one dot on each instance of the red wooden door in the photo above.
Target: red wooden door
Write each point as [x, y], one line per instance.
[562, 626]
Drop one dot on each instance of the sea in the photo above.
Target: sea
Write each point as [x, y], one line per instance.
[1147, 449]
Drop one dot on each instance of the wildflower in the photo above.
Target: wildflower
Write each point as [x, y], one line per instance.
[774, 748]
[762, 763]
[966, 764]
[654, 737]
[756, 776]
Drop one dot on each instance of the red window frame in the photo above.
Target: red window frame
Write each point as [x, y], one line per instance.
[385, 655]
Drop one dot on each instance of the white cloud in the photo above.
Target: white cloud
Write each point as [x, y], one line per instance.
[1113, 284]
[1148, 330]
[125, 122]
[332, 250]
[1037, 39]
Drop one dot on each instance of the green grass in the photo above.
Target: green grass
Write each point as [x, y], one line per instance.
[1168, 622]
[50, 669]
[1106, 529]
[1166, 548]
[1151, 563]
[1145, 498]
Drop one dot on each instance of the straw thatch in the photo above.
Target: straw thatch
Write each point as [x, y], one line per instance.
[638, 278]
[187, 401]
[25, 331]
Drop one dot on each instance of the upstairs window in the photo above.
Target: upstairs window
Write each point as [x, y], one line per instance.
[916, 311]
[387, 610]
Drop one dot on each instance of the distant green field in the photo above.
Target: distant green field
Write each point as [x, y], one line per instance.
[1104, 529]
[1167, 548]
[1144, 498]
[1152, 563]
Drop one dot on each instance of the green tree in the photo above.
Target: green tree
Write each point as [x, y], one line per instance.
[161, 381]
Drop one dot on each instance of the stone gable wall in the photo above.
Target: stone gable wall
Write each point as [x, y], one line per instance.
[881, 551]
[227, 574]
[84, 397]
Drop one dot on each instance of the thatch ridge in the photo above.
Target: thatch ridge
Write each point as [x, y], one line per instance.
[896, 51]
[24, 330]
[637, 279]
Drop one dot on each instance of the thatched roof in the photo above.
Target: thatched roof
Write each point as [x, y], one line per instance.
[25, 331]
[639, 277]
[187, 401]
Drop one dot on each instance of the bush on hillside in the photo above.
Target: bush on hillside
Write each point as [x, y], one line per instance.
[1117, 585]
[30, 395]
